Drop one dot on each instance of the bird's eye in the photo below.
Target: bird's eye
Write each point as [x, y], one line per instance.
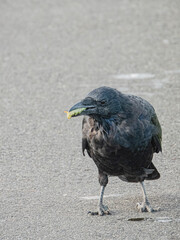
[103, 102]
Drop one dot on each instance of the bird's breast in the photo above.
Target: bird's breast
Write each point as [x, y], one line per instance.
[111, 147]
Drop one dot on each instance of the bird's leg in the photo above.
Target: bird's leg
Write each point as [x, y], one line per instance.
[145, 205]
[102, 209]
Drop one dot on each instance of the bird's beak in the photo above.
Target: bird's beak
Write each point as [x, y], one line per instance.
[77, 106]
[78, 109]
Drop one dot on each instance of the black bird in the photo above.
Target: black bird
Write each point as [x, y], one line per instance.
[120, 133]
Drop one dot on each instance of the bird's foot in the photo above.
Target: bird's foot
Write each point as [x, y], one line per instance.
[145, 207]
[102, 210]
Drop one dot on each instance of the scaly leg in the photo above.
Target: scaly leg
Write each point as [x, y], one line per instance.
[102, 209]
[145, 205]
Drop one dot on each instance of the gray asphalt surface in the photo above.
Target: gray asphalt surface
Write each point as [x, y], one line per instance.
[52, 53]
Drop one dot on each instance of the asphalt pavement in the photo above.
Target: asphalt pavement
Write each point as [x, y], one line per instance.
[52, 53]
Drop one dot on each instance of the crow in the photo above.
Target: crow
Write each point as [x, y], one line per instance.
[120, 133]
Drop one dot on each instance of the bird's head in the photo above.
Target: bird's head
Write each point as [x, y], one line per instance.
[103, 102]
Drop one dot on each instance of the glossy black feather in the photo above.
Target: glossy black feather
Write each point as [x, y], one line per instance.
[121, 134]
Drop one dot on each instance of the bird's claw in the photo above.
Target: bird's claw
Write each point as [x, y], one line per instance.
[145, 207]
[102, 210]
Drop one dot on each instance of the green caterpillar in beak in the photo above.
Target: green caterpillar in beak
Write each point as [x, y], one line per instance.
[74, 112]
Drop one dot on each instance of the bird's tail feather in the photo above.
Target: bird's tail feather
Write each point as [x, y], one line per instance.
[149, 173]
[154, 174]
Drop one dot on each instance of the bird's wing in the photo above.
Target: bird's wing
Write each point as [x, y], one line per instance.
[157, 136]
[85, 145]
[85, 130]
[150, 125]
